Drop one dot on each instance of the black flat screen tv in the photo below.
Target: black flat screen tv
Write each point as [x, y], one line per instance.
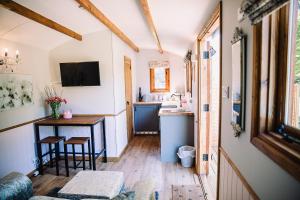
[80, 74]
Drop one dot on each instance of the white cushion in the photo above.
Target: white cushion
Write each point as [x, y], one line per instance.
[89, 184]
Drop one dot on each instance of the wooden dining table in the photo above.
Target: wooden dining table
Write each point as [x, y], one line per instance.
[76, 121]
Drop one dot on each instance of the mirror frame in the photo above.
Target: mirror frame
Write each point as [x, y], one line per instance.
[241, 38]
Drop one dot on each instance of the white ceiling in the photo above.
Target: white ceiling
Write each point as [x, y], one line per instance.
[177, 22]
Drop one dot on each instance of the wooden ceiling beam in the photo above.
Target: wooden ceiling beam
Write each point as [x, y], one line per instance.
[92, 9]
[147, 13]
[26, 12]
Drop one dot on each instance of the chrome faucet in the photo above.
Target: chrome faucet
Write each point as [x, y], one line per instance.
[178, 95]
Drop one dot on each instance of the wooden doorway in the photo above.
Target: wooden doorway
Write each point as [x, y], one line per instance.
[209, 102]
[128, 96]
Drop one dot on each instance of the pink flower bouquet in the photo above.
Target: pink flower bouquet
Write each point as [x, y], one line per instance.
[54, 101]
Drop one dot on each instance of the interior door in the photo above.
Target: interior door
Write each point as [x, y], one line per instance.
[128, 96]
[214, 102]
[209, 111]
[204, 113]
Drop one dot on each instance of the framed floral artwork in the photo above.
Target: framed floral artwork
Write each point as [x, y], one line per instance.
[16, 90]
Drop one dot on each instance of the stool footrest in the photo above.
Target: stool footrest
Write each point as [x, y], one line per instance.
[48, 152]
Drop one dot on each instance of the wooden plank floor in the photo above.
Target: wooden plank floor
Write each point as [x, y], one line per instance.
[140, 161]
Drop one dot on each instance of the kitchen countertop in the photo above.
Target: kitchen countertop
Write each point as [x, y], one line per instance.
[174, 111]
[147, 103]
[167, 108]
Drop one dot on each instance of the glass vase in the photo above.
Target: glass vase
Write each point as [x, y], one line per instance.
[55, 110]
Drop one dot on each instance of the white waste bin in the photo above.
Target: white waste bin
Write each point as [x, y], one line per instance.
[187, 155]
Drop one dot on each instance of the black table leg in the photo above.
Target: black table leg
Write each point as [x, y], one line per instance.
[57, 134]
[66, 159]
[93, 148]
[104, 141]
[38, 148]
[56, 131]
[50, 154]
[57, 158]
[89, 149]
[74, 156]
[83, 156]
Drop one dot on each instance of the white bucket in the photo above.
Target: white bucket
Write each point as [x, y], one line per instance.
[187, 155]
[187, 151]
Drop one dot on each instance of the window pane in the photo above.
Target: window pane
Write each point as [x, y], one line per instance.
[160, 78]
[293, 112]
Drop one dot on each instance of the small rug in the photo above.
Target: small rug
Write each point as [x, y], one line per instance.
[187, 192]
[53, 192]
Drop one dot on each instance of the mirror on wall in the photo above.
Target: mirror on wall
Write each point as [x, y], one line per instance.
[189, 76]
[189, 70]
[238, 49]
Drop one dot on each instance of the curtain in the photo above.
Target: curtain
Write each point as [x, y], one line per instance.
[155, 64]
[257, 9]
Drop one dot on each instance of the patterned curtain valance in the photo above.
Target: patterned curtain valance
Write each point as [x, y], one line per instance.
[155, 63]
[257, 9]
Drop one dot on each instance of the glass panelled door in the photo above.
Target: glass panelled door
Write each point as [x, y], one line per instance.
[209, 96]
[214, 59]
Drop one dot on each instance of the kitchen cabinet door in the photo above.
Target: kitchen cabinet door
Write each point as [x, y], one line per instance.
[146, 118]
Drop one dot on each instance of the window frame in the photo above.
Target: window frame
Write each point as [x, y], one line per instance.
[152, 81]
[267, 94]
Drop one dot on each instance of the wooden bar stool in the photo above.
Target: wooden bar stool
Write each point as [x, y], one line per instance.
[51, 140]
[77, 141]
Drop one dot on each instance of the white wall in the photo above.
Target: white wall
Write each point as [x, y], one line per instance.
[109, 98]
[17, 146]
[121, 133]
[34, 62]
[120, 49]
[268, 179]
[93, 47]
[177, 70]
[92, 99]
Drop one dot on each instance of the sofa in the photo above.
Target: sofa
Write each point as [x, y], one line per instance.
[16, 186]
